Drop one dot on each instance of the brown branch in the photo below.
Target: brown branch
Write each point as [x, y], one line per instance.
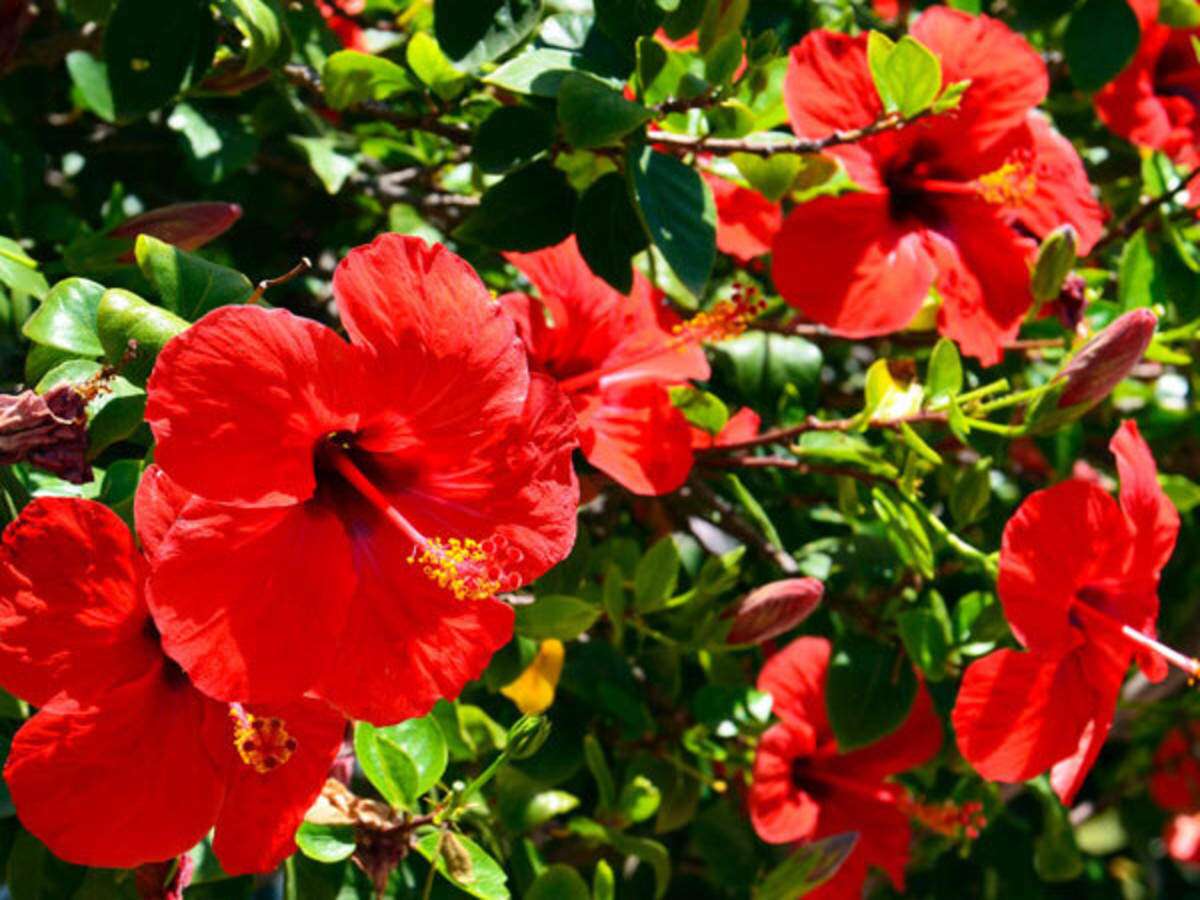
[812, 423]
[705, 499]
[306, 77]
[683, 143]
[1131, 223]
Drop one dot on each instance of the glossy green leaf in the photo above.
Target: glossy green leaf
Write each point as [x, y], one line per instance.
[19, 271]
[133, 332]
[608, 230]
[482, 877]
[262, 28]
[529, 209]
[187, 283]
[511, 137]
[436, 72]
[593, 114]
[474, 32]
[325, 843]
[538, 72]
[154, 50]
[700, 408]
[1101, 37]
[869, 691]
[330, 166]
[66, 320]
[555, 616]
[656, 575]
[680, 216]
[351, 77]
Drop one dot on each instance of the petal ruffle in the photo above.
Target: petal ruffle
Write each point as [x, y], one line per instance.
[779, 811]
[1153, 518]
[795, 679]
[238, 402]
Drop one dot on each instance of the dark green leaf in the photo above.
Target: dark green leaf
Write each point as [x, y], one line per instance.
[608, 230]
[656, 575]
[869, 691]
[680, 216]
[1100, 39]
[511, 137]
[216, 145]
[187, 284]
[529, 209]
[593, 114]
[538, 72]
[473, 32]
[559, 882]
[556, 616]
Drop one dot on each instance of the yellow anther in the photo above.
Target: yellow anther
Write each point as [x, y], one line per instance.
[469, 569]
[263, 743]
[724, 320]
[1013, 184]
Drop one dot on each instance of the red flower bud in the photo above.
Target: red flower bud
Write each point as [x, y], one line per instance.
[772, 609]
[186, 225]
[49, 431]
[1095, 370]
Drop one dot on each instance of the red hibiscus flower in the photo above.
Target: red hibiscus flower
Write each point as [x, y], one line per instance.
[945, 203]
[126, 762]
[615, 357]
[387, 488]
[1079, 585]
[338, 16]
[1175, 783]
[805, 788]
[1155, 101]
[747, 222]
[742, 426]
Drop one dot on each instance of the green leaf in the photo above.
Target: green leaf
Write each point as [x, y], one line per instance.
[806, 868]
[656, 575]
[436, 72]
[927, 639]
[869, 691]
[474, 32]
[115, 416]
[351, 77]
[721, 19]
[772, 176]
[1101, 37]
[608, 230]
[529, 209]
[555, 616]
[1139, 280]
[154, 50]
[331, 167]
[402, 761]
[559, 882]
[1056, 857]
[604, 886]
[945, 376]
[538, 72]
[680, 216]
[188, 284]
[482, 876]
[66, 320]
[594, 114]
[123, 317]
[511, 137]
[1179, 13]
[90, 78]
[216, 145]
[639, 799]
[606, 788]
[19, 271]
[261, 26]
[325, 843]
[762, 366]
[971, 492]
[625, 21]
[907, 75]
[700, 408]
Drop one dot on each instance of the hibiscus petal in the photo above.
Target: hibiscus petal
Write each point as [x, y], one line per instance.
[72, 617]
[407, 643]
[1062, 194]
[746, 220]
[156, 505]
[636, 436]
[249, 600]
[884, 838]
[914, 743]
[449, 364]
[1152, 516]
[795, 679]
[262, 810]
[829, 86]
[121, 785]
[779, 811]
[1058, 541]
[1017, 713]
[238, 401]
[843, 262]
[1129, 104]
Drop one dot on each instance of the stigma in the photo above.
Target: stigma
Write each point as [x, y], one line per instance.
[469, 569]
[263, 743]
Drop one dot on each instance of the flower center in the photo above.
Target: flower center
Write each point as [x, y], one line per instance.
[724, 320]
[263, 743]
[1095, 606]
[470, 569]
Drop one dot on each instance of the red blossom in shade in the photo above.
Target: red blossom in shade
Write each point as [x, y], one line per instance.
[1155, 101]
[742, 426]
[615, 356]
[747, 222]
[805, 788]
[946, 203]
[126, 762]
[338, 16]
[388, 487]
[1175, 782]
[1079, 585]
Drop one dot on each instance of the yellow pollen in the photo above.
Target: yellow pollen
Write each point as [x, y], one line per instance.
[263, 743]
[725, 319]
[1013, 184]
[469, 569]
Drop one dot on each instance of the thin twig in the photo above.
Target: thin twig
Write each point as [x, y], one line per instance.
[812, 423]
[294, 272]
[1131, 223]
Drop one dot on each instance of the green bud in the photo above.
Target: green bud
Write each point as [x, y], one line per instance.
[526, 737]
[1056, 257]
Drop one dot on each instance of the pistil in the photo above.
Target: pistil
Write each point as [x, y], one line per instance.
[1187, 664]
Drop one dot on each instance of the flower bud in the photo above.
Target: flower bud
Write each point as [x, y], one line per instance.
[1055, 259]
[772, 609]
[188, 226]
[1106, 359]
[526, 737]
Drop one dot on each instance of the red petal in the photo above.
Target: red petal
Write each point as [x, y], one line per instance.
[636, 436]
[1017, 714]
[884, 836]
[249, 600]
[795, 679]
[747, 222]
[829, 87]
[449, 363]
[1062, 193]
[843, 262]
[1152, 516]
[72, 617]
[262, 811]
[983, 278]
[239, 400]
[407, 643]
[1059, 540]
[914, 743]
[186, 225]
[124, 784]
[779, 811]
[1183, 838]
[156, 505]
[1008, 78]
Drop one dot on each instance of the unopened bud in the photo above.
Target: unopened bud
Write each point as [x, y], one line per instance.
[1055, 259]
[48, 431]
[526, 737]
[187, 226]
[1106, 359]
[772, 609]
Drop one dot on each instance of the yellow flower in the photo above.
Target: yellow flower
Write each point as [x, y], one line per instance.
[533, 691]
